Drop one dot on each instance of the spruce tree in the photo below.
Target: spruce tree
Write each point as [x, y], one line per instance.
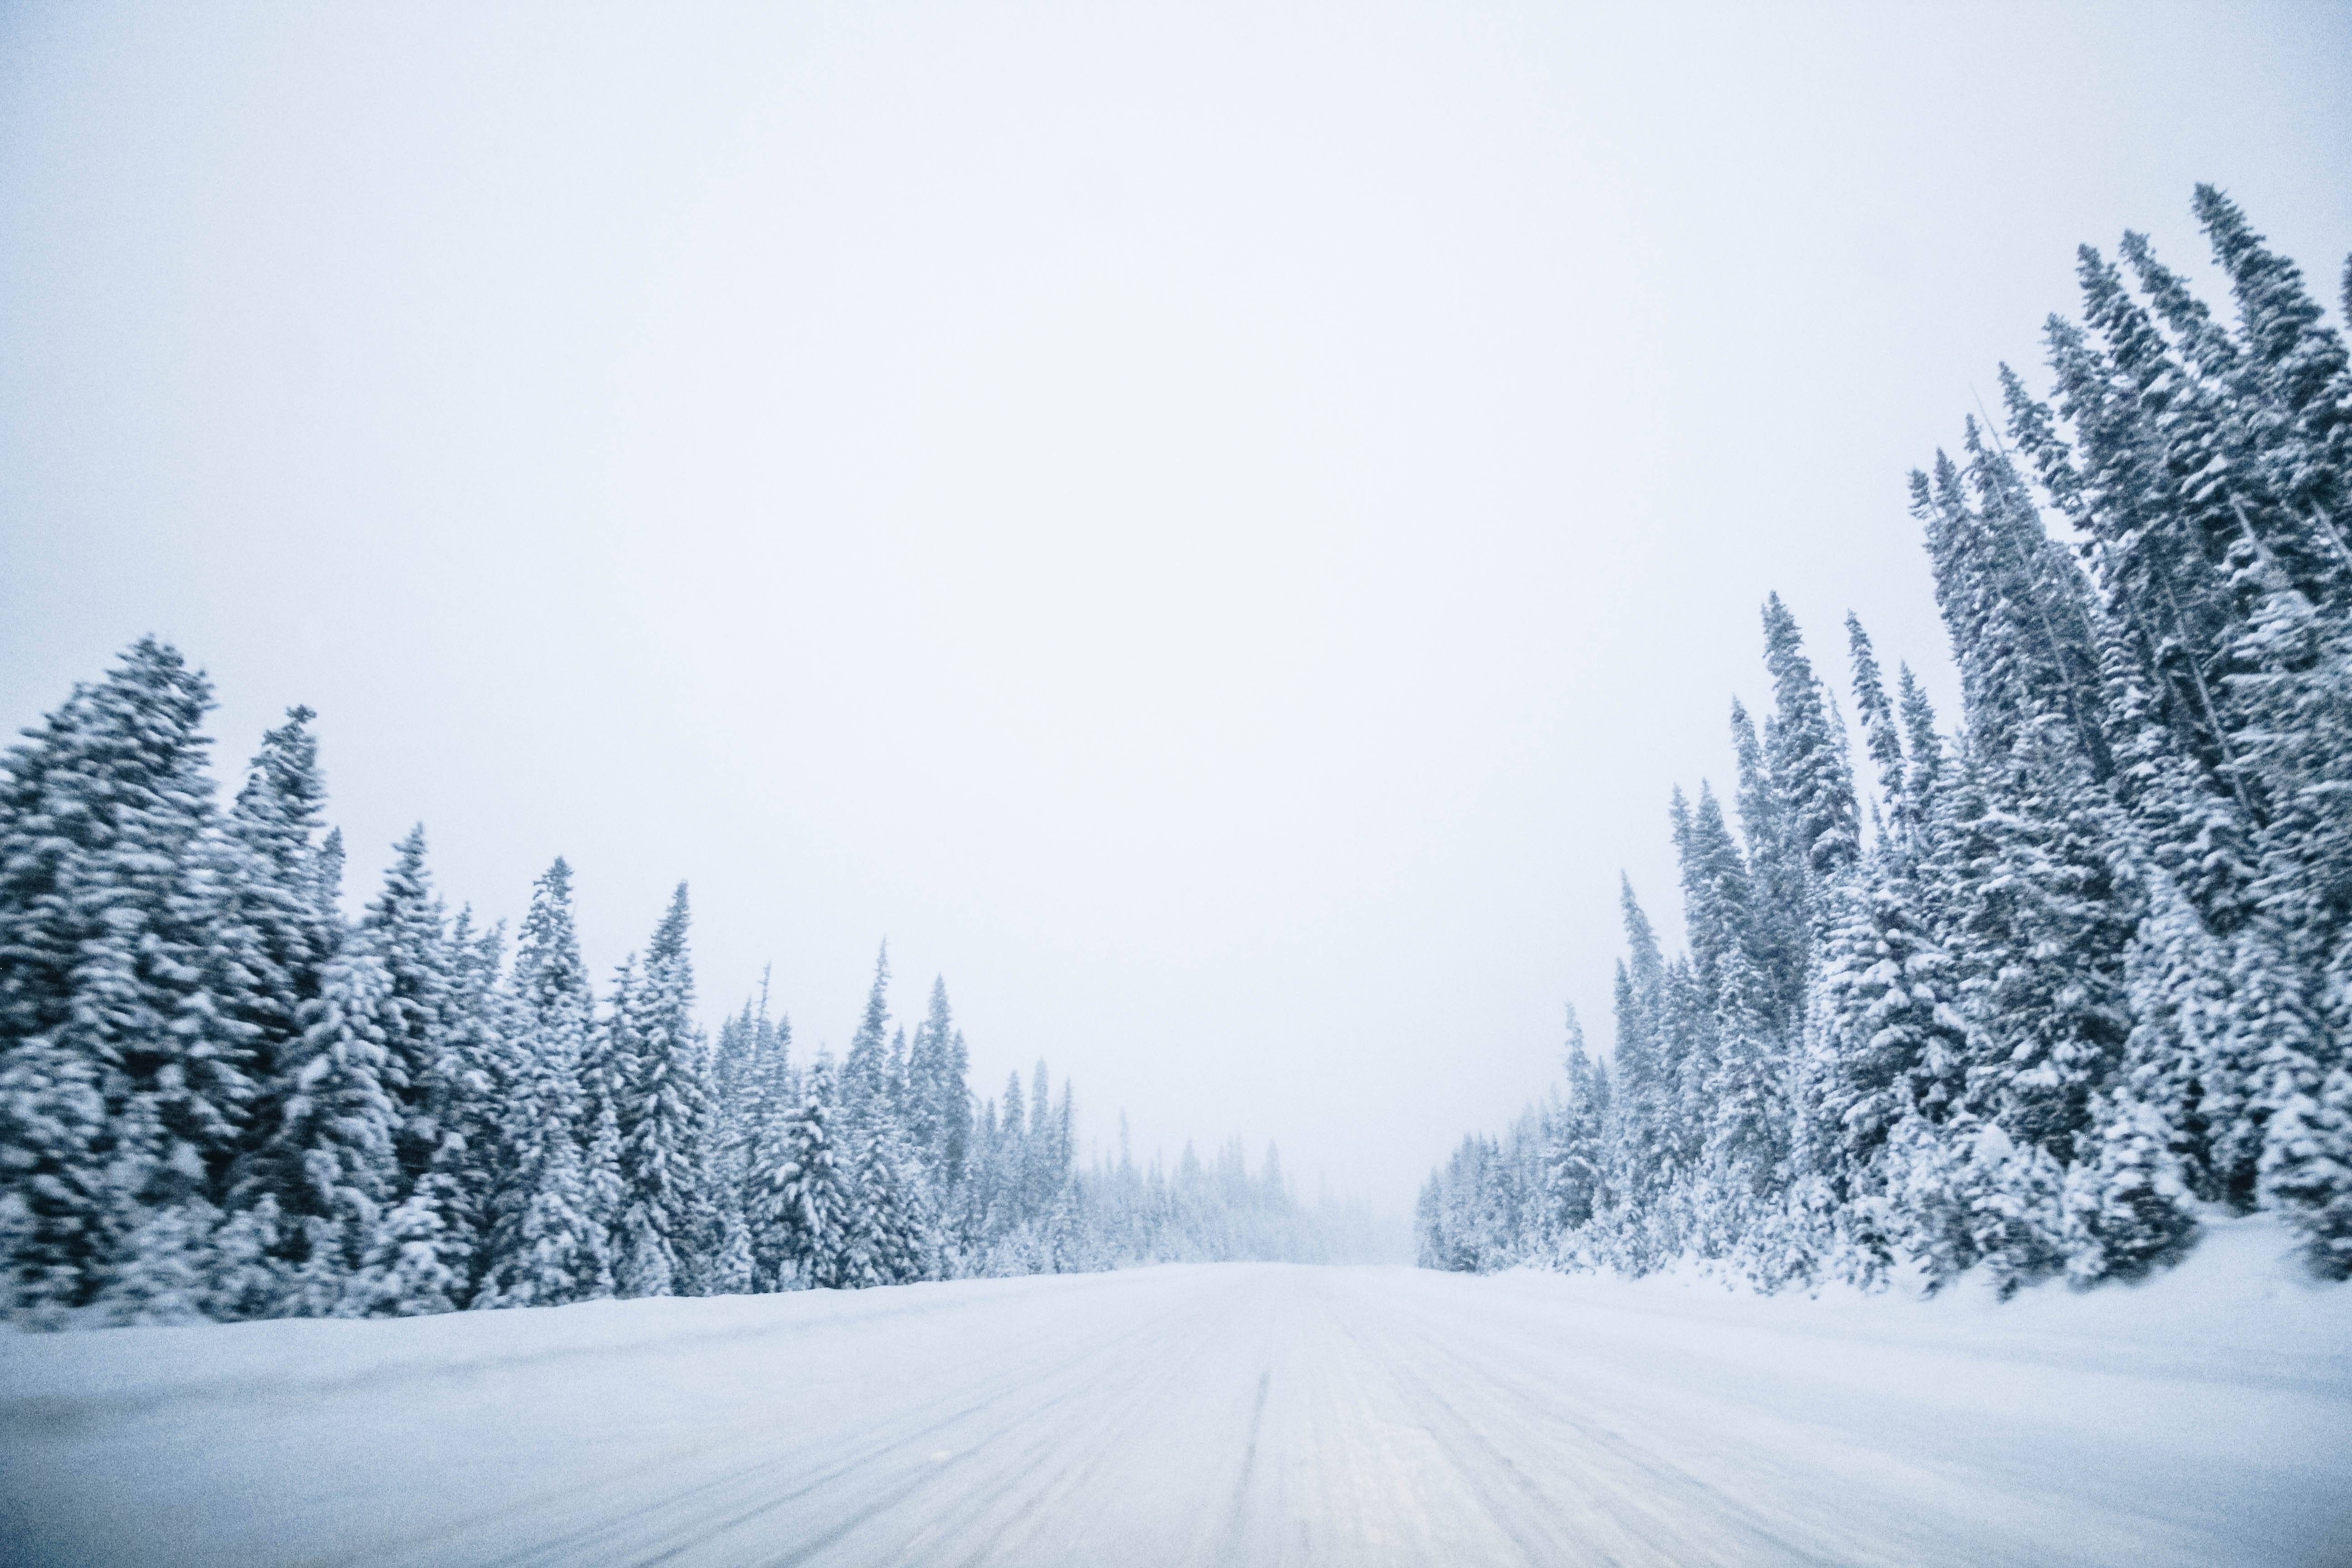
[2153, 565]
[1718, 901]
[472, 1164]
[1893, 1050]
[666, 1221]
[125, 1032]
[543, 1248]
[1923, 764]
[1042, 1158]
[2051, 912]
[801, 1202]
[1744, 1158]
[885, 1227]
[1807, 757]
[937, 1103]
[1882, 737]
[277, 921]
[1573, 1155]
[328, 1164]
[407, 931]
[2297, 371]
[865, 1077]
[1777, 872]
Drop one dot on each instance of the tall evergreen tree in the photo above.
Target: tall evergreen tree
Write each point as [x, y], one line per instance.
[125, 1039]
[802, 1203]
[278, 926]
[1807, 757]
[1777, 871]
[938, 1103]
[667, 1220]
[886, 1226]
[1923, 766]
[1881, 736]
[2298, 375]
[544, 1250]
[406, 929]
[864, 1076]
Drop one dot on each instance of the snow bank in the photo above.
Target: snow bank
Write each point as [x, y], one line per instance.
[294, 1356]
[2241, 1305]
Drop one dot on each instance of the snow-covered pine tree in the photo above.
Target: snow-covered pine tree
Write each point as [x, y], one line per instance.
[2221, 442]
[976, 1215]
[1066, 1121]
[1643, 1174]
[2152, 565]
[956, 1102]
[865, 1073]
[1882, 735]
[1720, 920]
[543, 1248]
[2051, 919]
[2014, 605]
[733, 1270]
[1807, 756]
[425, 1255]
[1718, 902]
[2127, 1199]
[1042, 1156]
[608, 1064]
[1690, 1027]
[407, 931]
[894, 1077]
[2295, 371]
[2307, 1161]
[1780, 939]
[1923, 763]
[1888, 1063]
[939, 1105]
[1744, 1161]
[604, 1198]
[328, 1165]
[1009, 1179]
[124, 1081]
[2205, 345]
[752, 1082]
[1573, 1154]
[277, 924]
[800, 1200]
[886, 1224]
[731, 1050]
[668, 1221]
[481, 1037]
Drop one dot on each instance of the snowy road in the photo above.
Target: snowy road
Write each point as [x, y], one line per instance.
[1232, 1413]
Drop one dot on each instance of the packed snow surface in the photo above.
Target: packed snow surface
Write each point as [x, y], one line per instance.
[1216, 1414]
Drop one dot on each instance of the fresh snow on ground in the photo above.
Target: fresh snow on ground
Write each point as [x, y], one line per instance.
[1218, 1414]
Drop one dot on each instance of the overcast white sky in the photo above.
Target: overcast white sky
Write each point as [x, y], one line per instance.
[1213, 527]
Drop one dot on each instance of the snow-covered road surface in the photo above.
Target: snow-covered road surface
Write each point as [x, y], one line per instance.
[1224, 1413]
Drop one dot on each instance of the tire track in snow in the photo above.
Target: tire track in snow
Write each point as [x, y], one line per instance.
[573, 1544]
[1237, 1507]
[700, 1529]
[1148, 1381]
[1647, 1497]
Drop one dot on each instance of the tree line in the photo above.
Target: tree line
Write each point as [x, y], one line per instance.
[2038, 994]
[220, 1098]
